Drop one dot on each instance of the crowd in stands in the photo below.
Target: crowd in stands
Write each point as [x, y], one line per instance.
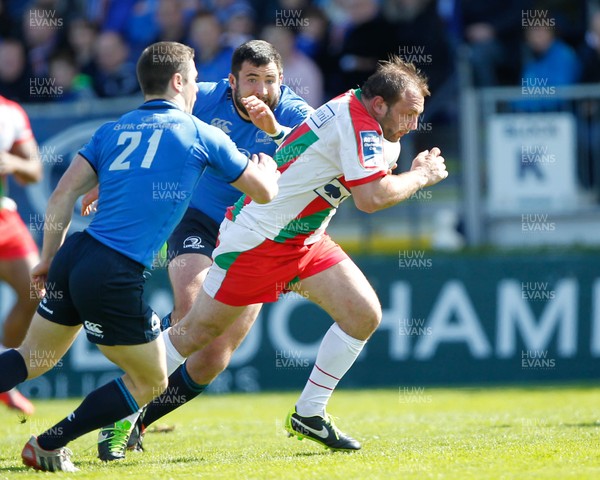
[88, 48]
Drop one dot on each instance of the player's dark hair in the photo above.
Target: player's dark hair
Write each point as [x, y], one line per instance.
[159, 62]
[392, 78]
[256, 52]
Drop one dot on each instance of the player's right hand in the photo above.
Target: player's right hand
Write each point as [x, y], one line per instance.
[265, 163]
[260, 114]
[431, 165]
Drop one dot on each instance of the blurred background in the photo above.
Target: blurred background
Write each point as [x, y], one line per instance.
[490, 276]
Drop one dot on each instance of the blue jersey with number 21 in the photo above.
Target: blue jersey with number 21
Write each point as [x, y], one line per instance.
[148, 164]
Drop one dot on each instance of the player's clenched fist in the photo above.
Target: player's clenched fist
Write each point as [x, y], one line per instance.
[431, 165]
[260, 114]
[265, 163]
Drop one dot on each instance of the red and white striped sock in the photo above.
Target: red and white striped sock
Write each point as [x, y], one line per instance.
[337, 353]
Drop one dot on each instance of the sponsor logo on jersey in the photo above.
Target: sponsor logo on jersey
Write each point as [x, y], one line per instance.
[262, 137]
[322, 115]
[333, 193]
[221, 124]
[372, 147]
[193, 242]
[94, 329]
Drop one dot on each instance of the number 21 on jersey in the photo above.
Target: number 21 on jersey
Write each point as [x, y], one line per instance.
[132, 141]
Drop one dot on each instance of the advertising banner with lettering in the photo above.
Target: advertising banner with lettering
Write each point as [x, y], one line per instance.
[531, 162]
[456, 320]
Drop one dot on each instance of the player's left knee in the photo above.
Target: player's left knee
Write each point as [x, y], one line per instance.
[373, 317]
[200, 337]
[218, 363]
[363, 321]
[208, 364]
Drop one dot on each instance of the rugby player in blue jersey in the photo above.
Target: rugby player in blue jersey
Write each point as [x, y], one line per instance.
[95, 279]
[252, 93]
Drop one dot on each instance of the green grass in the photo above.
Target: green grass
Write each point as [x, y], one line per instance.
[510, 433]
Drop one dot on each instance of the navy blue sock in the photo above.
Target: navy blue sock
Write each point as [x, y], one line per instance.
[165, 322]
[13, 368]
[103, 406]
[181, 389]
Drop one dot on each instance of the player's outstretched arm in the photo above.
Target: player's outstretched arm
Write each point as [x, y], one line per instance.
[427, 169]
[259, 180]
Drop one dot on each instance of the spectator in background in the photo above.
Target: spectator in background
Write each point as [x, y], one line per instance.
[549, 63]
[492, 30]
[149, 20]
[225, 9]
[240, 25]
[41, 35]
[14, 71]
[172, 25]
[108, 15]
[116, 75]
[571, 16]
[300, 73]
[588, 166]
[284, 12]
[590, 51]
[368, 38]
[335, 11]
[66, 76]
[213, 58]
[312, 38]
[81, 38]
[7, 26]
[422, 40]
[142, 27]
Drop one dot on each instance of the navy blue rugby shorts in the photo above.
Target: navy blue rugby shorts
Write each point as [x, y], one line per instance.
[196, 233]
[94, 285]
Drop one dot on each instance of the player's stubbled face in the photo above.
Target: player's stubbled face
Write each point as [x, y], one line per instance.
[402, 116]
[263, 82]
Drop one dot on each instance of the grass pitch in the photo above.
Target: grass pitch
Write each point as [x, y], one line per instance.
[407, 433]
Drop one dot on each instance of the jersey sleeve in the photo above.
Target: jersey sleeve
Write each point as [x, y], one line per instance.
[91, 150]
[221, 154]
[361, 148]
[23, 130]
[292, 109]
